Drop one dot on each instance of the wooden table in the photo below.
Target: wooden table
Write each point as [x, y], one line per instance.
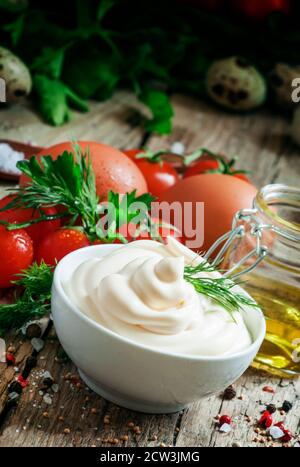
[76, 416]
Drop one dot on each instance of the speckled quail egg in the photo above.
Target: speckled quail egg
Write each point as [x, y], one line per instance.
[235, 84]
[16, 75]
[281, 79]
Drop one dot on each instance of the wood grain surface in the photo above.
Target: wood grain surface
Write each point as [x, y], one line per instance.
[78, 417]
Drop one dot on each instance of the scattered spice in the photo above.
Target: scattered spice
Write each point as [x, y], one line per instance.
[38, 344]
[225, 428]
[10, 359]
[22, 381]
[15, 386]
[269, 389]
[287, 406]
[225, 419]
[271, 408]
[229, 393]
[266, 419]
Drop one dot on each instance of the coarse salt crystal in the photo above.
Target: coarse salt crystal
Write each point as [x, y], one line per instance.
[9, 158]
[2, 351]
[47, 399]
[225, 428]
[178, 148]
[37, 344]
[276, 432]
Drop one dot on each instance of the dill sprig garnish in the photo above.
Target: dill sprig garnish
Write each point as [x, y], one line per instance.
[219, 289]
[32, 297]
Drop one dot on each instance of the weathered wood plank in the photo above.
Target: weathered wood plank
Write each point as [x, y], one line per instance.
[111, 122]
[35, 423]
[198, 427]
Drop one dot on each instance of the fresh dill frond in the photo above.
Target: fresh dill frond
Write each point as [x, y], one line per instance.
[32, 297]
[219, 289]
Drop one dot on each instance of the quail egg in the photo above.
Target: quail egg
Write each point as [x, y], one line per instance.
[235, 84]
[15, 74]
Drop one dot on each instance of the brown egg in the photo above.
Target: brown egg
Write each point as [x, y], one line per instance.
[113, 170]
[222, 195]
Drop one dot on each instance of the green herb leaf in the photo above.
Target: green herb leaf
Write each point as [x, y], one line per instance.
[103, 8]
[162, 112]
[15, 29]
[54, 100]
[124, 206]
[92, 74]
[219, 290]
[68, 181]
[50, 62]
[33, 301]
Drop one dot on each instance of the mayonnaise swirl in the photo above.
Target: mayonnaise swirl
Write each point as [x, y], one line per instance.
[139, 292]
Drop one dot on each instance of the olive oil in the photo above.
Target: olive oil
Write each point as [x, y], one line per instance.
[280, 352]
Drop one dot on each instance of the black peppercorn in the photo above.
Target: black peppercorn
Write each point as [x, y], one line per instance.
[16, 387]
[271, 408]
[31, 362]
[47, 382]
[229, 393]
[287, 406]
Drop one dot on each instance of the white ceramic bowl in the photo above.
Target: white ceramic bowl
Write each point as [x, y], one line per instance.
[135, 376]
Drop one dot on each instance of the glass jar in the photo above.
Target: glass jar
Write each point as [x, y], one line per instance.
[272, 230]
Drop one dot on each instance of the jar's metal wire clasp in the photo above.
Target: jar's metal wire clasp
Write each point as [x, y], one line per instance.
[238, 231]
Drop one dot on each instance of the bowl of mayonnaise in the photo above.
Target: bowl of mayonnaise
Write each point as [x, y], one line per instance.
[140, 334]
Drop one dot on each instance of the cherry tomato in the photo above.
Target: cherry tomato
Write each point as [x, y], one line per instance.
[18, 215]
[159, 174]
[210, 163]
[58, 244]
[16, 254]
[259, 10]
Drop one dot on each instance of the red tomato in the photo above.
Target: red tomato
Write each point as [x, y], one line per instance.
[222, 196]
[218, 164]
[59, 244]
[17, 215]
[260, 9]
[159, 174]
[16, 254]
[113, 170]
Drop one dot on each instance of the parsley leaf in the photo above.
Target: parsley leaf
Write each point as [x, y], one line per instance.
[55, 99]
[162, 112]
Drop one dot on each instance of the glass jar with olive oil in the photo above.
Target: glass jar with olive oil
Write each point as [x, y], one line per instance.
[275, 282]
